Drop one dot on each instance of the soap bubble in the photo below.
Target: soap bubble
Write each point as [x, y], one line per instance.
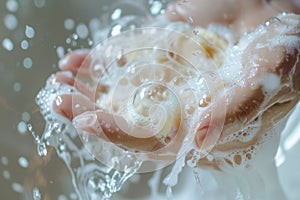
[8, 44]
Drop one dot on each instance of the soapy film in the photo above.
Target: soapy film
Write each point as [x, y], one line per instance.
[91, 179]
[200, 86]
[182, 84]
[156, 86]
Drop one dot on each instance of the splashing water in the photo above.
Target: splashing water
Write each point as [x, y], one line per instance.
[91, 179]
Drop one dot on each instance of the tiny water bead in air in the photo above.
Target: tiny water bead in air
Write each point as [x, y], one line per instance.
[36, 194]
[27, 62]
[24, 44]
[22, 127]
[12, 5]
[10, 21]
[8, 44]
[29, 31]
[23, 162]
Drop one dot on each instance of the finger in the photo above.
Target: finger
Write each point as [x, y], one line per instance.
[76, 63]
[66, 77]
[71, 105]
[115, 129]
[267, 81]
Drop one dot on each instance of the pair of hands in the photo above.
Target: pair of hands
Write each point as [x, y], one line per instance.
[239, 16]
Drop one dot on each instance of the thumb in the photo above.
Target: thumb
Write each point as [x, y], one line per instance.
[115, 129]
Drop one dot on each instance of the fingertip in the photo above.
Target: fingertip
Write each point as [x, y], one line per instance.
[84, 120]
[73, 60]
[63, 105]
[63, 63]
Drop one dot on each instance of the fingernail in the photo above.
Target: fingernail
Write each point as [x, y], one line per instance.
[81, 51]
[85, 120]
[63, 62]
[67, 74]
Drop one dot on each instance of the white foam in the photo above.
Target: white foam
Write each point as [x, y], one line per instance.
[190, 93]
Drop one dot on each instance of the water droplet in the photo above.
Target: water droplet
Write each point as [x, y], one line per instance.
[36, 194]
[90, 42]
[60, 51]
[210, 157]
[62, 197]
[156, 7]
[69, 24]
[169, 193]
[75, 36]
[6, 174]
[190, 20]
[29, 31]
[272, 20]
[58, 100]
[12, 5]
[94, 25]
[196, 31]
[201, 81]
[29, 126]
[179, 81]
[82, 31]
[8, 44]
[39, 3]
[17, 87]
[27, 62]
[212, 76]
[4, 160]
[10, 21]
[22, 127]
[26, 116]
[23, 162]
[189, 109]
[196, 53]
[73, 196]
[62, 147]
[24, 44]
[68, 40]
[17, 187]
[116, 30]
[42, 150]
[116, 14]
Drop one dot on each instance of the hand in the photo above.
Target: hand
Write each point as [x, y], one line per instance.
[242, 16]
[247, 101]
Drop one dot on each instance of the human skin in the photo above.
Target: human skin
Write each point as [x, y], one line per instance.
[240, 16]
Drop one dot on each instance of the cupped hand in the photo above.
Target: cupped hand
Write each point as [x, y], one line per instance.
[246, 101]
